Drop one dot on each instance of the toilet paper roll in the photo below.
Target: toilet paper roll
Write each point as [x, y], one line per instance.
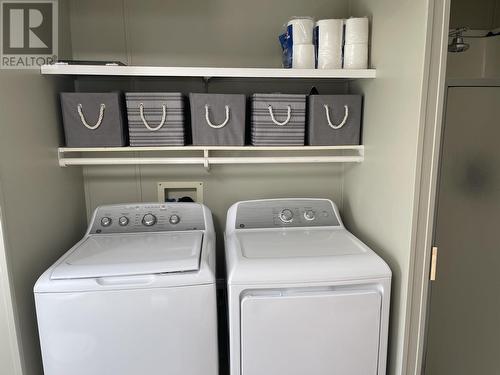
[356, 56]
[356, 30]
[303, 56]
[329, 33]
[329, 59]
[302, 30]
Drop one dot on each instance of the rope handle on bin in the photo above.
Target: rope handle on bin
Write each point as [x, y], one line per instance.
[289, 116]
[216, 126]
[343, 122]
[162, 122]
[99, 119]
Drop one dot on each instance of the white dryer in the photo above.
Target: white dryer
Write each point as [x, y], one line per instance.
[135, 296]
[304, 295]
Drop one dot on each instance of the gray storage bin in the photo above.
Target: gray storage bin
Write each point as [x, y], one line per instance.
[92, 119]
[334, 120]
[217, 119]
[155, 119]
[278, 119]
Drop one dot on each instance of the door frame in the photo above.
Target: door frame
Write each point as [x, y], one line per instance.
[429, 145]
[7, 299]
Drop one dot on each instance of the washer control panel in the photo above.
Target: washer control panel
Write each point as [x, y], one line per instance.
[148, 217]
[286, 213]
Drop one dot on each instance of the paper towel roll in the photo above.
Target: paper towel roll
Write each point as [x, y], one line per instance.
[303, 56]
[356, 30]
[329, 59]
[329, 33]
[356, 56]
[302, 30]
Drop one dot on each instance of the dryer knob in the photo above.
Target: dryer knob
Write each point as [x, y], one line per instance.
[149, 220]
[286, 215]
[174, 219]
[309, 215]
[123, 221]
[105, 221]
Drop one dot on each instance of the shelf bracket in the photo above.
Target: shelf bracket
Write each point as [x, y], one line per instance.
[206, 160]
[61, 158]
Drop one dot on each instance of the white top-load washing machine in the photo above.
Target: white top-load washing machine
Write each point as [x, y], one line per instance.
[135, 296]
[304, 295]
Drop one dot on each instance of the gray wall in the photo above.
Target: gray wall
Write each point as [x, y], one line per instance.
[42, 204]
[191, 33]
[496, 17]
[477, 14]
[379, 193]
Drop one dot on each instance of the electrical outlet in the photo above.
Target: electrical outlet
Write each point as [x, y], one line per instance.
[172, 191]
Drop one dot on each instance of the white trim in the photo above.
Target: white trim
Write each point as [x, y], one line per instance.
[205, 72]
[425, 195]
[8, 304]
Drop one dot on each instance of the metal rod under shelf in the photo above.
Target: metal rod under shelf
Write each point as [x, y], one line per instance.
[206, 159]
[64, 162]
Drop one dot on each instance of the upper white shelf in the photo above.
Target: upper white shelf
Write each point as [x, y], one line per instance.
[156, 71]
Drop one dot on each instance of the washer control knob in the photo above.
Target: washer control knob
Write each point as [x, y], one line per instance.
[174, 219]
[149, 220]
[123, 221]
[286, 215]
[106, 221]
[309, 215]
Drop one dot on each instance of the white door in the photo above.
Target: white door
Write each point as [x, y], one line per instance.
[156, 331]
[464, 315]
[320, 333]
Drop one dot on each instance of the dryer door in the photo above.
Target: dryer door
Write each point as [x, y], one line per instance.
[320, 333]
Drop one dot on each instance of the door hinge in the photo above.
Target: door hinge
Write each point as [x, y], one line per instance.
[434, 258]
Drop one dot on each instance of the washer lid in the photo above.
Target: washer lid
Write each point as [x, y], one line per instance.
[298, 243]
[293, 255]
[132, 254]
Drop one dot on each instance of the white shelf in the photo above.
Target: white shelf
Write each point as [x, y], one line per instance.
[156, 71]
[204, 155]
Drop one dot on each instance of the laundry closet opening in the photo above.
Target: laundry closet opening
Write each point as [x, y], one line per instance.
[373, 186]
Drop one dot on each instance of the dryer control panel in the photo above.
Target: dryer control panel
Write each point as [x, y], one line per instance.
[274, 213]
[147, 217]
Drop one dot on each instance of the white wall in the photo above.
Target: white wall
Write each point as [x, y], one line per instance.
[479, 61]
[379, 193]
